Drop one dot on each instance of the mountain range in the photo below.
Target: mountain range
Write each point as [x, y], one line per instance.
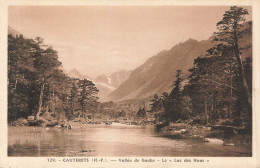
[157, 74]
[105, 84]
[115, 79]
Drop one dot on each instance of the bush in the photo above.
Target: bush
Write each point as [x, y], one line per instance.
[198, 120]
[52, 123]
[215, 134]
[31, 118]
[237, 122]
[20, 122]
[47, 116]
[225, 122]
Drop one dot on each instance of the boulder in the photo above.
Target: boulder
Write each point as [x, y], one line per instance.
[31, 118]
[41, 120]
[214, 141]
[25, 122]
[227, 129]
[33, 123]
[198, 136]
[183, 131]
[82, 119]
[52, 123]
[88, 150]
[229, 144]
[65, 125]
[178, 125]
[207, 128]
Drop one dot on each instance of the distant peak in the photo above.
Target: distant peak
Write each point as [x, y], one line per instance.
[161, 52]
[123, 70]
[191, 40]
[101, 76]
[73, 69]
[13, 32]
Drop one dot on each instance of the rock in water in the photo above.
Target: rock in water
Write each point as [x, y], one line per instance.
[183, 131]
[229, 144]
[84, 150]
[214, 141]
[88, 150]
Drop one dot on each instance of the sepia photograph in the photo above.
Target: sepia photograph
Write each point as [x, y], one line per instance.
[129, 81]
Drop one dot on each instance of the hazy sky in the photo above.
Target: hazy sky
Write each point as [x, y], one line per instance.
[101, 40]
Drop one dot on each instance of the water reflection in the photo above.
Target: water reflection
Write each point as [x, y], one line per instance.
[115, 140]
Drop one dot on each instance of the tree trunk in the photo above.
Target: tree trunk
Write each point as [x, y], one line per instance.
[242, 71]
[40, 101]
[212, 114]
[66, 104]
[73, 107]
[231, 92]
[15, 85]
[229, 110]
[206, 111]
[82, 106]
[49, 106]
[244, 83]
[48, 103]
[54, 102]
[216, 114]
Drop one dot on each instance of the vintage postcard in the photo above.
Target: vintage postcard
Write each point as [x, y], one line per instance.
[129, 84]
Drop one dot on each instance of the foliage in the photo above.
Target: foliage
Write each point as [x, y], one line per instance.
[141, 112]
[173, 106]
[36, 83]
[219, 84]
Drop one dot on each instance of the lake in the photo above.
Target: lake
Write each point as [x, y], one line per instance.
[115, 140]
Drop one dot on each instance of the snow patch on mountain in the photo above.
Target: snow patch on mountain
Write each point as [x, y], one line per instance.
[105, 85]
[109, 79]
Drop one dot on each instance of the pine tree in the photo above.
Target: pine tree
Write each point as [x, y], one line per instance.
[46, 63]
[141, 112]
[174, 105]
[229, 32]
[216, 82]
[154, 103]
[20, 68]
[87, 94]
[73, 96]
[36, 83]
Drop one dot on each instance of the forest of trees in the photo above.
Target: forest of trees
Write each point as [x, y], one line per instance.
[36, 83]
[219, 86]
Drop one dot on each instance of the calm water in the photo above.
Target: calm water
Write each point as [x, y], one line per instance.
[114, 140]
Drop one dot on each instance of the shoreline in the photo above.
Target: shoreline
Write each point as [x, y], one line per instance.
[205, 133]
[21, 138]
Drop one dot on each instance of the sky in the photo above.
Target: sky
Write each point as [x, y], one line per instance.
[104, 39]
